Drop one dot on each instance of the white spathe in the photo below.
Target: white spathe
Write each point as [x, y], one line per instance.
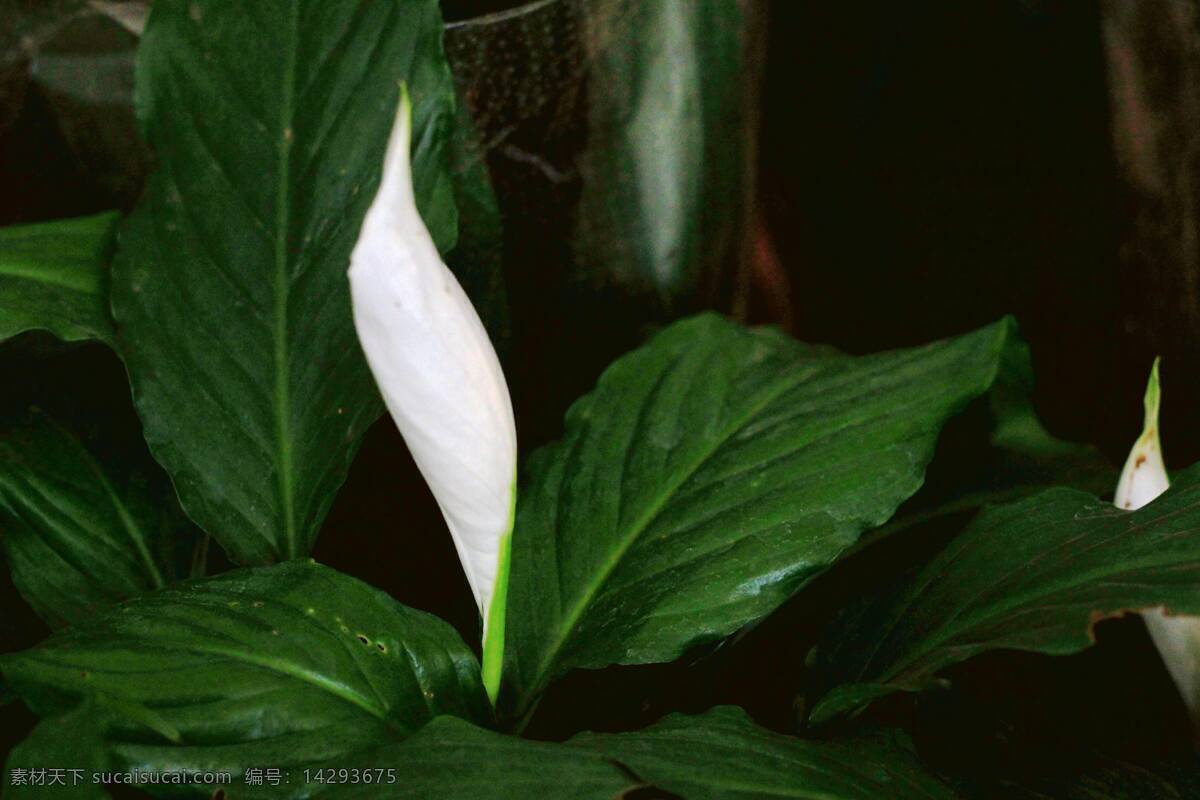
[1142, 480]
[1144, 476]
[437, 369]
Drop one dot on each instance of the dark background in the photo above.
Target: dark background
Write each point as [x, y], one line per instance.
[924, 168]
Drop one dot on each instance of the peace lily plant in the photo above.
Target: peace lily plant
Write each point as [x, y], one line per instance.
[747, 512]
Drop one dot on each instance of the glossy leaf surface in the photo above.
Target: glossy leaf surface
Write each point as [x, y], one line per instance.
[708, 476]
[269, 123]
[288, 666]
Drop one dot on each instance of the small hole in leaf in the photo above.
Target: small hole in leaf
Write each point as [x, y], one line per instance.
[257, 604]
[363, 639]
[382, 647]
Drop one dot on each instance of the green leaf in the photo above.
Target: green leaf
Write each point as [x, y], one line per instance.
[1032, 575]
[663, 171]
[54, 277]
[269, 122]
[1019, 458]
[76, 538]
[723, 755]
[1028, 455]
[285, 666]
[710, 475]
[67, 750]
[452, 760]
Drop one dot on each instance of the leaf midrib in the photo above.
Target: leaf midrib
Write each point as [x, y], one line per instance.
[136, 534]
[972, 614]
[280, 331]
[334, 687]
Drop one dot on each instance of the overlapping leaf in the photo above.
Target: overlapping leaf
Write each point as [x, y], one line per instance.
[454, 760]
[269, 122]
[76, 539]
[709, 475]
[59, 759]
[284, 666]
[1031, 575]
[54, 277]
[1019, 457]
[723, 755]
[720, 754]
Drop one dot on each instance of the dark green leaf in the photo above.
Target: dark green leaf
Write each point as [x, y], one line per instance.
[710, 475]
[59, 758]
[76, 538]
[1020, 457]
[452, 760]
[663, 172]
[269, 121]
[1027, 455]
[54, 277]
[284, 666]
[1032, 575]
[723, 755]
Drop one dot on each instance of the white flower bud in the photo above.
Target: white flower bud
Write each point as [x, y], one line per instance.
[1142, 480]
[442, 383]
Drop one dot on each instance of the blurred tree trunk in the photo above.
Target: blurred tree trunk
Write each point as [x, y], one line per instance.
[1152, 50]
